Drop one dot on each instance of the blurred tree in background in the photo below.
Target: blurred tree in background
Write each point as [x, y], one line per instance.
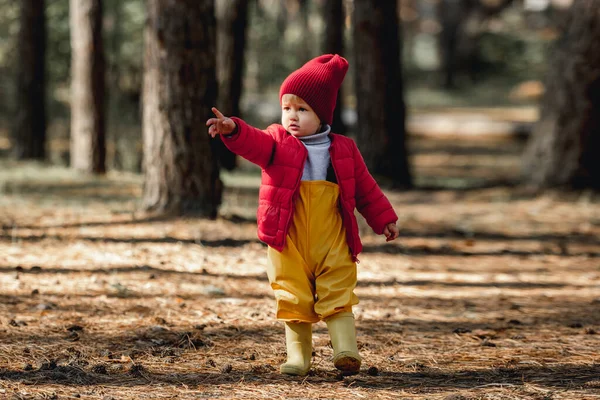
[232, 18]
[123, 32]
[462, 26]
[445, 43]
[88, 111]
[565, 145]
[381, 130]
[267, 33]
[181, 173]
[511, 46]
[29, 130]
[302, 13]
[333, 43]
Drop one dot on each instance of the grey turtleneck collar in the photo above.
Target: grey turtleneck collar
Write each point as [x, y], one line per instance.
[317, 138]
[315, 168]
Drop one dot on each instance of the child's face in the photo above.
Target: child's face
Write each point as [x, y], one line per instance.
[297, 117]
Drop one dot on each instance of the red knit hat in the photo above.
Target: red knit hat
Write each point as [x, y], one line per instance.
[317, 82]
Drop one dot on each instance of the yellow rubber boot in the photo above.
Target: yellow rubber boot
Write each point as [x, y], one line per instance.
[343, 339]
[298, 338]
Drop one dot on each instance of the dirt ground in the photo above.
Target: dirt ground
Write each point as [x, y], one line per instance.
[491, 292]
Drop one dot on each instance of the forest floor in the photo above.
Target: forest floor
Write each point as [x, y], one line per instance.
[491, 292]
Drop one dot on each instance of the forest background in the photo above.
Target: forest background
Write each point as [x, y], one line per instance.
[128, 273]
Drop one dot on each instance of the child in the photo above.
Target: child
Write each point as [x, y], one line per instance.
[312, 180]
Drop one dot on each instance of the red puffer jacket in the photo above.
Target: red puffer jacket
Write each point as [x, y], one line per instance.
[281, 157]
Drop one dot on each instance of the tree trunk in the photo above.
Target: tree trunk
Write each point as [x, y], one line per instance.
[29, 131]
[232, 17]
[381, 130]
[564, 149]
[180, 86]
[88, 125]
[333, 14]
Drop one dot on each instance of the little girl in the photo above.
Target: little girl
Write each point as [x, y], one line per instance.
[312, 181]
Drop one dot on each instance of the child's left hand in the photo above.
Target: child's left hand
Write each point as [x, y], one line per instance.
[391, 231]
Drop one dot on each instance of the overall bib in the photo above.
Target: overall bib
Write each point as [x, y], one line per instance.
[314, 276]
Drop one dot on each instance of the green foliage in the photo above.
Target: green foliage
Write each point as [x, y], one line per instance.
[514, 54]
[124, 23]
[279, 42]
[124, 47]
[266, 41]
[124, 26]
[9, 27]
[59, 46]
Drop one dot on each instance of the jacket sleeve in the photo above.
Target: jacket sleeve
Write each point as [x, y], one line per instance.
[370, 200]
[253, 144]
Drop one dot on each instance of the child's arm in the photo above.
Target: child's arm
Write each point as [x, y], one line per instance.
[371, 202]
[253, 144]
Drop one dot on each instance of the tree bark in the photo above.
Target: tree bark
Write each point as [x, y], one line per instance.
[29, 131]
[564, 149]
[88, 125]
[333, 13]
[180, 86]
[232, 17]
[381, 132]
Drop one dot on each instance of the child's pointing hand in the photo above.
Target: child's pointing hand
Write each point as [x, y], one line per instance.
[391, 231]
[221, 125]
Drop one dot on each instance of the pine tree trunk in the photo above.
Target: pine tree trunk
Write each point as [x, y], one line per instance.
[381, 130]
[29, 131]
[181, 174]
[232, 17]
[88, 125]
[564, 149]
[333, 13]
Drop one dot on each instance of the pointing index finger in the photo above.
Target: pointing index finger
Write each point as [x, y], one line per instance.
[217, 113]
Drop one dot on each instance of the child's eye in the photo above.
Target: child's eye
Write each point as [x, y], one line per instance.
[302, 109]
[286, 109]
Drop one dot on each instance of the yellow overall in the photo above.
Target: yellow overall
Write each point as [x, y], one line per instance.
[314, 276]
